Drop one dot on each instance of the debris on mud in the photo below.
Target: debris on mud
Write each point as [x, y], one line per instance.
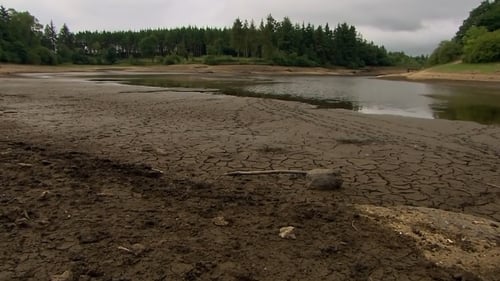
[105, 237]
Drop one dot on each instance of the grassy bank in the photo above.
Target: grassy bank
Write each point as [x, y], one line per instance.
[482, 68]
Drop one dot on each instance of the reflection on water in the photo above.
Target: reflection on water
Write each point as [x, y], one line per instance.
[367, 95]
[462, 103]
[370, 95]
[375, 96]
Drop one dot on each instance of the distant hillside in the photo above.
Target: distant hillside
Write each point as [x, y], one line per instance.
[476, 41]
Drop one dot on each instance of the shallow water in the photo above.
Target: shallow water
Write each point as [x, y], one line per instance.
[363, 94]
[375, 96]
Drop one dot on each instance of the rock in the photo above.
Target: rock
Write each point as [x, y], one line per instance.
[287, 232]
[138, 249]
[66, 276]
[44, 196]
[323, 179]
[220, 221]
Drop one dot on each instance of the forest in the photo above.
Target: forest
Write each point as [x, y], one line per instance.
[24, 40]
[476, 41]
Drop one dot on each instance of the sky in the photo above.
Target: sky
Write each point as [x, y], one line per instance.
[413, 26]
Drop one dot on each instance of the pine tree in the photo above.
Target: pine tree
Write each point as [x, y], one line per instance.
[49, 39]
[237, 36]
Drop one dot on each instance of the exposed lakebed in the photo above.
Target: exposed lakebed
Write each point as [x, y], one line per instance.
[453, 101]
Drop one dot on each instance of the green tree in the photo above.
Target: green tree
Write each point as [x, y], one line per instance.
[487, 14]
[253, 40]
[4, 24]
[470, 38]
[65, 44]
[238, 37]
[24, 27]
[346, 46]
[49, 39]
[111, 55]
[267, 37]
[22, 40]
[66, 37]
[484, 48]
[285, 36]
[446, 52]
[491, 18]
[148, 46]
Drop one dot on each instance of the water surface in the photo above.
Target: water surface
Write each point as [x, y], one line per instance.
[479, 103]
[416, 99]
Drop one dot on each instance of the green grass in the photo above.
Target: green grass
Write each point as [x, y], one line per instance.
[484, 68]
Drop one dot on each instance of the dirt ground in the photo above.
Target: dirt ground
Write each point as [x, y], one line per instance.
[101, 181]
[393, 73]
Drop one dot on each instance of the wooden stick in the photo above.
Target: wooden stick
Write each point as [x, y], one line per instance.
[125, 249]
[493, 185]
[265, 172]
[353, 226]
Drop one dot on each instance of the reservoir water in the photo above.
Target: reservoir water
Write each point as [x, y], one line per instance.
[454, 101]
[375, 96]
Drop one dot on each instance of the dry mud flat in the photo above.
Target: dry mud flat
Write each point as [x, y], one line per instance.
[82, 197]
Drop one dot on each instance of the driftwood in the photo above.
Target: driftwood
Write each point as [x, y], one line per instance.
[265, 172]
[323, 179]
[493, 185]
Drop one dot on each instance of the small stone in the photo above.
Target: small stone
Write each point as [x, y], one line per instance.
[65, 276]
[220, 221]
[287, 232]
[44, 195]
[46, 162]
[138, 249]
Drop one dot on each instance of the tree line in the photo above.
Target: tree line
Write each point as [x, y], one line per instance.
[24, 40]
[476, 41]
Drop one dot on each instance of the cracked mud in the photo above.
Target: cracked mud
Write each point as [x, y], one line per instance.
[79, 181]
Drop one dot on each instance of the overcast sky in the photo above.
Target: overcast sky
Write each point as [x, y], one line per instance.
[413, 26]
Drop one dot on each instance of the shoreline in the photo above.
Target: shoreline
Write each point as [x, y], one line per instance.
[388, 73]
[490, 80]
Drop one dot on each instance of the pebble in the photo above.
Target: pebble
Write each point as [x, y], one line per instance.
[323, 179]
[287, 232]
[220, 221]
[65, 276]
[138, 249]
